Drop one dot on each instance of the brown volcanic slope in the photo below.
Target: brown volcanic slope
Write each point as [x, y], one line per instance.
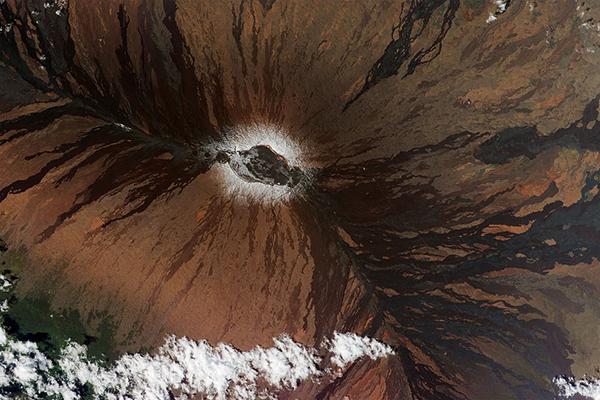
[452, 210]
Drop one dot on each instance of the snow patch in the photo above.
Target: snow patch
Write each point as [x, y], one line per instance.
[246, 137]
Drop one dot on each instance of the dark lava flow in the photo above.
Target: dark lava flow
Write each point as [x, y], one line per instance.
[452, 211]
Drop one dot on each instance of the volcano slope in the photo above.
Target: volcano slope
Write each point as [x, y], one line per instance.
[425, 172]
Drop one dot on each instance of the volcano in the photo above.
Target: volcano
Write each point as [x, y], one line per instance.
[384, 199]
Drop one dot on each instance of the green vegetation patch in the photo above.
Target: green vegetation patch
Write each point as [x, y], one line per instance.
[30, 317]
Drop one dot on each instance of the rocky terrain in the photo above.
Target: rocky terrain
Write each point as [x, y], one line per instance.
[424, 172]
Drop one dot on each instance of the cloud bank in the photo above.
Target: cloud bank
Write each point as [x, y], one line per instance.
[570, 386]
[181, 368]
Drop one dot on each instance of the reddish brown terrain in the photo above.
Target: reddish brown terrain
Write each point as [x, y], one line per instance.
[449, 177]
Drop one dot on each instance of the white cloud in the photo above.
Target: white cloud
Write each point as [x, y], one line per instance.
[570, 386]
[491, 18]
[349, 347]
[181, 367]
[5, 283]
[501, 7]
